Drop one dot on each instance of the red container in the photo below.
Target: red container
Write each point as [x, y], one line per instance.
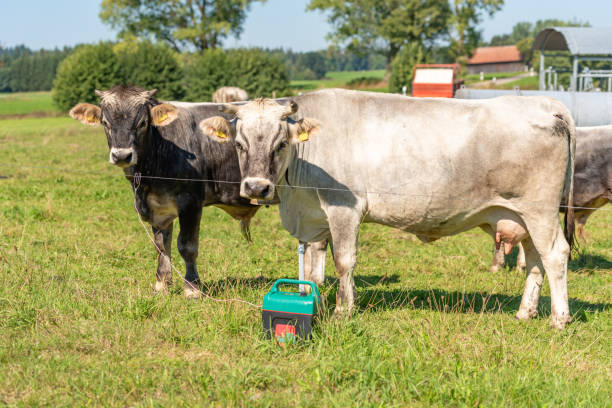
[435, 80]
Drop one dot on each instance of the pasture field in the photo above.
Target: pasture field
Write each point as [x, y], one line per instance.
[340, 79]
[27, 104]
[79, 324]
[473, 78]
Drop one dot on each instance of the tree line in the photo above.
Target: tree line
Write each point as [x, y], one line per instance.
[24, 70]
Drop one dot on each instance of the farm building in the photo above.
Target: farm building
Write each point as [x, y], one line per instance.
[505, 58]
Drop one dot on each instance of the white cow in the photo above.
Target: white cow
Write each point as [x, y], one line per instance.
[432, 167]
[229, 94]
[592, 183]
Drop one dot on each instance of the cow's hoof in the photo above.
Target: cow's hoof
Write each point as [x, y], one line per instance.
[192, 292]
[494, 268]
[161, 287]
[526, 314]
[559, 322]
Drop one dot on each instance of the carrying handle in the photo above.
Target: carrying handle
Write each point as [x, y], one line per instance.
[293, 282]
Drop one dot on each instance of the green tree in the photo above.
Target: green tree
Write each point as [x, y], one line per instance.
[5, 79]
[402, 67]
[463, 33]
[201, 24]
[89, 68]
[36, 71]
[384, 26]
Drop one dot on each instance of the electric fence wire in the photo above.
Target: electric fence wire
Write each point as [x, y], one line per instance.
[137, 178]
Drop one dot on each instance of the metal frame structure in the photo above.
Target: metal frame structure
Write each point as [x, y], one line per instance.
[584, 44]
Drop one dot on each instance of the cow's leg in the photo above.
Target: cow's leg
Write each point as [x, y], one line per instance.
[499, 260]
[581, 218]
[553, 249]
[344, 228]
[533, 283]
[187, 243]
[520, 258]
[314, 261]
[163, 241]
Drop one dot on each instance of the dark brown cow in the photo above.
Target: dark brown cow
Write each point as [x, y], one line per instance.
[157, 139]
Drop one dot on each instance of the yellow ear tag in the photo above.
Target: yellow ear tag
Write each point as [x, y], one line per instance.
[163, 118]
[302, 137]
[91, 119]
[221, 135]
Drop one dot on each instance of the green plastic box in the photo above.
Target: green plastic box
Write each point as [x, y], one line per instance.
[287, 315]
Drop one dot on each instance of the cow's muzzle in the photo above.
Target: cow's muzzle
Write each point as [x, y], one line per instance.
[123, 157]
[255, 187]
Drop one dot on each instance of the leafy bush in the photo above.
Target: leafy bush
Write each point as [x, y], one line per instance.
[204, 73]
[258, 73]
[253, 70]
[104, 65]
[89, 68]
[150, 66]
[402, 67]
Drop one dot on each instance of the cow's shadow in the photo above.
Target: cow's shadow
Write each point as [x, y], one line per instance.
[219, 287]
[461, 302]
[588, 261]
[376, 299]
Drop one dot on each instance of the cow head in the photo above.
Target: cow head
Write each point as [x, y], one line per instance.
[265, 140]
[127, 114]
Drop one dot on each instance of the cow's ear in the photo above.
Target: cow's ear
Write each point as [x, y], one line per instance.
[217, 128]
[303, 129]
[164, 114]
[86, 113]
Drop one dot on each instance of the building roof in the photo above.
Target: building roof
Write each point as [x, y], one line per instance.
[576, 40]
[493, 55]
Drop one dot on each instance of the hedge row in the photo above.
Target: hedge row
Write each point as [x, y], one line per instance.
[177, 77]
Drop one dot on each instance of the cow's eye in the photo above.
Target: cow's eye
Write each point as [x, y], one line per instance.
[105, 122]
[241, 148]
[281, 146]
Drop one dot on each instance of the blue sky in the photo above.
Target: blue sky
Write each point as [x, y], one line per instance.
[276, 23]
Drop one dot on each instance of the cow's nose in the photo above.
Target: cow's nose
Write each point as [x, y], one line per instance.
[257, 188]
[121, 156]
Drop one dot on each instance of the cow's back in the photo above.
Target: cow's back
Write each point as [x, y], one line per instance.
[593, 173]
[423, 164]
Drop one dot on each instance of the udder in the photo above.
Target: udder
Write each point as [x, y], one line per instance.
[509, 233]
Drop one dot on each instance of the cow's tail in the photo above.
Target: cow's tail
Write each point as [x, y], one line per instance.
[568, 128]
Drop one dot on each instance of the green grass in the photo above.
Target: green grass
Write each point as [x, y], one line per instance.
[473, 78]
[27, 103]
[79, 324]
[527, 83]
[336, 80]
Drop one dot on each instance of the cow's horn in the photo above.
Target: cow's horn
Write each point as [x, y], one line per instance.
[290, 109]
[227, 108]
[99, 93]
[151, 93]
